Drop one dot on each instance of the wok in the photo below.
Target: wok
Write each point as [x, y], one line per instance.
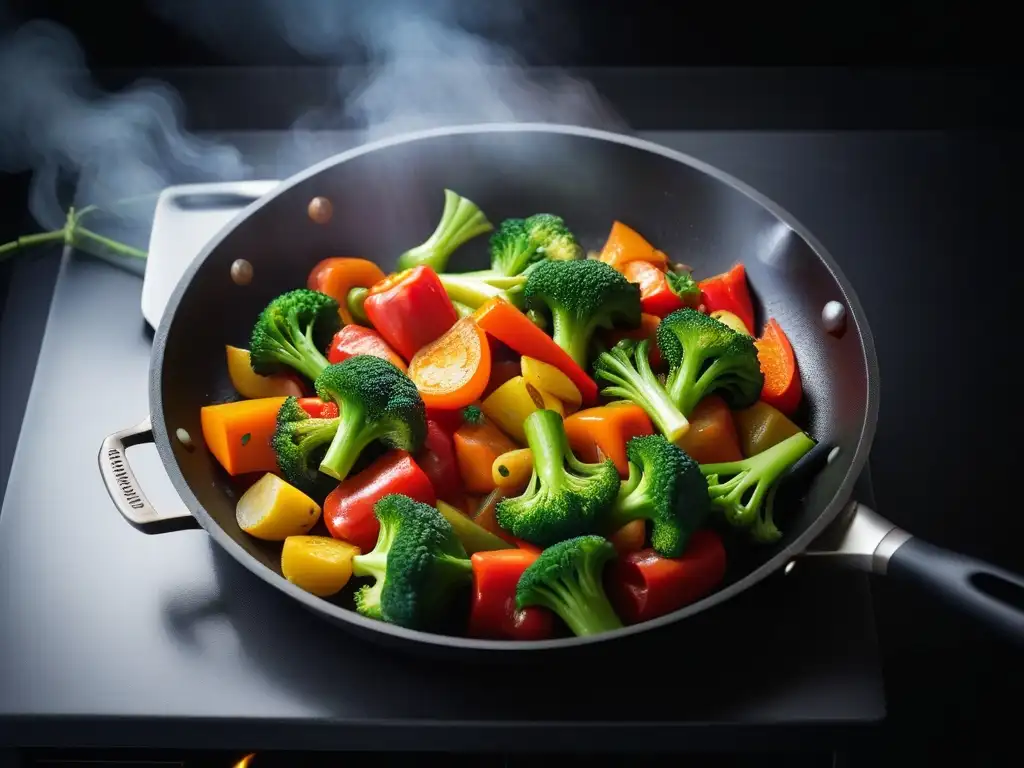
[387, 195]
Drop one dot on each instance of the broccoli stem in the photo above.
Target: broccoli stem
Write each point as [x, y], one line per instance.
[585, 606]
[469, 291]
[352, 437]
[632, 502]
[640, 386]
[546, 437]
[460, 221]
[570, 336]
[759, 471]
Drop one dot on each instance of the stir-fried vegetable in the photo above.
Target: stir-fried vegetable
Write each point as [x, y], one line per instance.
[582, 296]
[292, 332]
[448, 447]
[565, 497]
[377, 402]
[566, 578]
[417, 565]
[664, 487]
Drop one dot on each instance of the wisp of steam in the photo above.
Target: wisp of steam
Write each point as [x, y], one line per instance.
[419, 68]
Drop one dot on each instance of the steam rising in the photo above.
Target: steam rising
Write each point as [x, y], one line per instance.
[398, 68]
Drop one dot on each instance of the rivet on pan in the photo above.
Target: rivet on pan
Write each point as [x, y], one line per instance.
[832, 455]
[241, 272]
[184, 438]
[833, 317]
[789, 567]
[320, 210]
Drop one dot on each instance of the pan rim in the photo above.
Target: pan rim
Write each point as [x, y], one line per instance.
[855, 313]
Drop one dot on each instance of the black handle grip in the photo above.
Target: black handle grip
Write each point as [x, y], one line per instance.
[987, 592]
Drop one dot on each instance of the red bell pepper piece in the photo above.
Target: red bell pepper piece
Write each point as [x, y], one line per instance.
[437, 460]
[493, 612]
[662, 292]
[782, 388]
[317, 408]
[348, 509]
[356, 340]
[729, 291]
[410, 309]
[644, 585]
[448, 419]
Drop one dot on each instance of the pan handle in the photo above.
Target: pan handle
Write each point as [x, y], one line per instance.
[863, 539]
[985, 591]
[124, 488]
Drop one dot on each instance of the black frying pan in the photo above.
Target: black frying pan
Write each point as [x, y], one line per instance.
[386, 196]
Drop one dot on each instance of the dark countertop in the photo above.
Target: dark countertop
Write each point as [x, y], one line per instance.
[920, 224]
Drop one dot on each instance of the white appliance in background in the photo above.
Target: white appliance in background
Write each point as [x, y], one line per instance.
[184, 220]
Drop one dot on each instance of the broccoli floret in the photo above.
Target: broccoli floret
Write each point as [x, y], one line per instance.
[582, 296]
[518, 243]
[564, 497]
[551, 238]
[741, 496]
[291, 332]
[417, 565]
[567, 579]
[376, 401]
[472, 414]
[707, 356]
[300, 442]
[460, 221]
[666, 487]
[627, 368]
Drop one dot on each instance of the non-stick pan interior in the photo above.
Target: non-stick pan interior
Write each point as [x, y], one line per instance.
[389, 199]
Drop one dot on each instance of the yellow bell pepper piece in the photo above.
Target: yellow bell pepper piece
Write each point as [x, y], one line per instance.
[510, 404]
[731, 319]
[250, 384]
[512, 471]
[761, 426]
[318, 564]
[547, 378]
[273, 510]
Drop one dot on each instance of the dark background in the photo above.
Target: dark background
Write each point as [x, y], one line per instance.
[924, 65]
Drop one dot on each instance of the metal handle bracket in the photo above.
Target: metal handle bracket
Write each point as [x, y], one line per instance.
[124, 489]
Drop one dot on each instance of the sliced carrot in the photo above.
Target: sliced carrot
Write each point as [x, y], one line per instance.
[603, 432]
[782, 387]
[625, 244]
[337, 276]
[452, 371]
[712, 436]
[507, 324]
[630, 538]
[477, 445]
[238, 434]
[648, 328]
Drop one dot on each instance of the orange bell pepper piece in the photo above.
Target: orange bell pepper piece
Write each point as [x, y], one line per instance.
[337, 276]
[452, 371]
[477, 444]
[238, 434]
[625, 244]
[603, 432]
[507, 324]
[712, 437]
[782, 387]
[630, 538]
